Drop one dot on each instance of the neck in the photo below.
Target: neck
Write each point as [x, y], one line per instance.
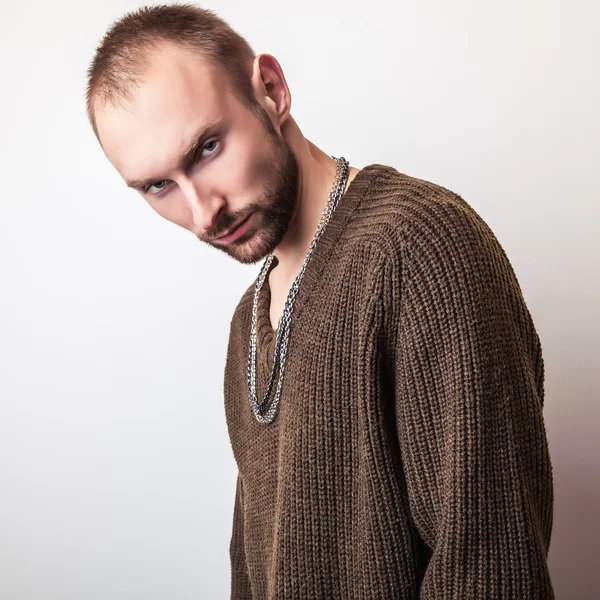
[316, 176]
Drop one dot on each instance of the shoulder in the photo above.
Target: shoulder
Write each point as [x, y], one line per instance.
[439, 257]
[401, 212]
[422, 226]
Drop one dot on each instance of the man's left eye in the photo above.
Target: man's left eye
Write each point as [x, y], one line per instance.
[208, 144]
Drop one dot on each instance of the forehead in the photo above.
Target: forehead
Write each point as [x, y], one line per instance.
[178, 94]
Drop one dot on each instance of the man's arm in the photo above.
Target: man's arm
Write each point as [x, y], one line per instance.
[240, 583]
[469, 383]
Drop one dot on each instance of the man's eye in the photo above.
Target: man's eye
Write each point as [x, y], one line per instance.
[148, 187]
[211, 146]
[206, 146]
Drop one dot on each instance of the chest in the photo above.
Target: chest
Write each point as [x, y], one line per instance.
[279, 291]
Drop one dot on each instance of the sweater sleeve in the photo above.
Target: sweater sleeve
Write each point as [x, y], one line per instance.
[469, 392]
[240, 583]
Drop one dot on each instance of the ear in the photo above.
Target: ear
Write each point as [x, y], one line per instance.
[271, 89]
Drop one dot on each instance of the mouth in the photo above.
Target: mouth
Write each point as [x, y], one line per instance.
[235, 232]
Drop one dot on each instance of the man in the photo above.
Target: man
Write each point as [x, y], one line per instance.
[384, 378]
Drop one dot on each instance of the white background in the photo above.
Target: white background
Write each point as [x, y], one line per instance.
[116, 473]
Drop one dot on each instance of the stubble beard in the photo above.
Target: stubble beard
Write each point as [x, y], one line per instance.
[273, 215]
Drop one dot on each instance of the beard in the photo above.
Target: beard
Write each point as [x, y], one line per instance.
[272, 216]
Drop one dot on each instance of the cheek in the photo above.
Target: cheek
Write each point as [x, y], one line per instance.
[174, 209]
[246, 163]
[242, 180]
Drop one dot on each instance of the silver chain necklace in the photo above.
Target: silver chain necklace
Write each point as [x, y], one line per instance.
[284, 326]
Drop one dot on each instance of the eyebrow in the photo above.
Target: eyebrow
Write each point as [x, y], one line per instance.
[186, 159]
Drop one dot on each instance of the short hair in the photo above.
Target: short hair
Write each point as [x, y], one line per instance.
[124, 52]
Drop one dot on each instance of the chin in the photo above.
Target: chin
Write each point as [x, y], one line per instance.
[248, 252]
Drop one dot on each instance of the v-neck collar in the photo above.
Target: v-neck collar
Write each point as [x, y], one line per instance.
[327, 241]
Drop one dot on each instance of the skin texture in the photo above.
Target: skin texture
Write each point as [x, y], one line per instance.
[245, 166]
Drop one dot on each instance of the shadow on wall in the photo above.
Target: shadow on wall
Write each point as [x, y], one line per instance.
[575, 543]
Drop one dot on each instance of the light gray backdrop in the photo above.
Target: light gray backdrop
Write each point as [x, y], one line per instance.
[116, 473]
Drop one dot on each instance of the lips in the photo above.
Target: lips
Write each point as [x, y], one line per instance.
[230, 235]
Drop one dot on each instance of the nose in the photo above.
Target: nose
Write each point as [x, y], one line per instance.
[204, 209]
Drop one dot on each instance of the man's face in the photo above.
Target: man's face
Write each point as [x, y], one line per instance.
[241, 173]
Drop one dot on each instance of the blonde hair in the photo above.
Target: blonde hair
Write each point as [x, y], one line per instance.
[124, 52]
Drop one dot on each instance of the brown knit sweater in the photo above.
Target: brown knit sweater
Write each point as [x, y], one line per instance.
[408, 457]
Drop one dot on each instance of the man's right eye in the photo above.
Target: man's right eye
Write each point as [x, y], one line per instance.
[208, 146]
[155, 184]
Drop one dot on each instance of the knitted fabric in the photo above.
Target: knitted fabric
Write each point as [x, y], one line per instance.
[408, 458]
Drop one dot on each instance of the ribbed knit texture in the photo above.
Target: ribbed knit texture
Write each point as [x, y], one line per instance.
[408, 457]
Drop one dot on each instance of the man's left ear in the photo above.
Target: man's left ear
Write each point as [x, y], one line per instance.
[271, 88]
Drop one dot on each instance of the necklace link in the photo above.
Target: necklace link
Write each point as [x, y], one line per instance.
[284, 325]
